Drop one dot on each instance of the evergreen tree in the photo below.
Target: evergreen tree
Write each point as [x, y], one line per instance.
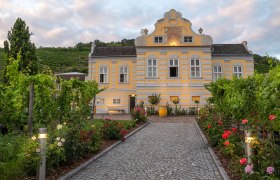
[19, 42]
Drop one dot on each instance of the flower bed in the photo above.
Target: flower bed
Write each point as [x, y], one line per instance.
[68, 146]
[248, 107]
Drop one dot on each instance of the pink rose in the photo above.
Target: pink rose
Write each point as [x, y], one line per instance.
[244, 121]
[271, 117]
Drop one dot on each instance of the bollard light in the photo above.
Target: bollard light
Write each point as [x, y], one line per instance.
[248, 149]
[42, 137]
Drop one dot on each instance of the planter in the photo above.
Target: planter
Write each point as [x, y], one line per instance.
[162, 111]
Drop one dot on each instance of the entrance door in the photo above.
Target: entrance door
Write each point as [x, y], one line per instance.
[132, 103]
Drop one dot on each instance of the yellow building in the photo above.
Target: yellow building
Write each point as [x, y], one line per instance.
[173, 61]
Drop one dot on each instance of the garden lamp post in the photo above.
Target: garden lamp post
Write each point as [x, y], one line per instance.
[248, 149]
[42, 136]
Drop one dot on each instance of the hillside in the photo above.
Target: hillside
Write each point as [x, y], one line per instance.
[64, 59]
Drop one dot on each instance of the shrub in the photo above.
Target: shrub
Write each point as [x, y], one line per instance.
[169, 109]
[112, 130]
[18, 156]
[138, 114]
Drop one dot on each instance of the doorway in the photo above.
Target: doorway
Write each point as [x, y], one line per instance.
[131, 103]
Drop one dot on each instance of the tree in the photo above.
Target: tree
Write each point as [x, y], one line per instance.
[19, 42]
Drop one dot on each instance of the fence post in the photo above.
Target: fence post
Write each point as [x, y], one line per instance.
[42, 136]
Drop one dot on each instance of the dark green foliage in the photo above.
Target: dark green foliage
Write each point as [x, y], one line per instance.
[112, 130]
[19, 42]
[264, 63]
[18, 156]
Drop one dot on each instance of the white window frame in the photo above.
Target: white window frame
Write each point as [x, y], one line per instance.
[156, 39]
[237, 73]
[154, 75]
[99, 101]
[122, 71]
[116, 101]
[217, 74]
[195, 66]
[173, 60]
[101, 71]
[188, 41]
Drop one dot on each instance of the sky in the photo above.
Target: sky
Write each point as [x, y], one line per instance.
[64, 23]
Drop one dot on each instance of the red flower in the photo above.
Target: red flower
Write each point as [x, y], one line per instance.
[226, 143]
[234, 129]
[271, 117]
[220, 122]
[123, 132]
[209, 126]
[227, 132]
[244, 121]
[243, 161]
[225, 135]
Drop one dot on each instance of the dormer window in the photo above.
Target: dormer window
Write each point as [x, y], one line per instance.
[188, 39]
[158, 39]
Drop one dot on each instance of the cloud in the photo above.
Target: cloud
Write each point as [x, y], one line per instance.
[67, 22]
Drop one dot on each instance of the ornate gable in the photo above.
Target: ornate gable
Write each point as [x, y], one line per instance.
[173, 30]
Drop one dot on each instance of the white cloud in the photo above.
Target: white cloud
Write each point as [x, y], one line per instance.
[66, 22]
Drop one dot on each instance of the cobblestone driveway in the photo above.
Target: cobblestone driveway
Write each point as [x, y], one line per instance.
[159, 151]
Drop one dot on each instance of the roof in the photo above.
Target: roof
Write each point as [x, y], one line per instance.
[217, 50]
[114, 51]
[229, 50]
[71, 73]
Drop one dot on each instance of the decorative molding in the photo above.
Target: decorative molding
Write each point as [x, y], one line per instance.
[184, 57]
[163, 52]
[229, 58]
[174, 84]
[151, 56]
[173, 56]
[140, 84]
[152, 84]
[196, 85]
[195, 56]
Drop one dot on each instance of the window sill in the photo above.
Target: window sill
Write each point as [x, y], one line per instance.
[152, 77]
[124, 83]
[196, 78]
[174, 78]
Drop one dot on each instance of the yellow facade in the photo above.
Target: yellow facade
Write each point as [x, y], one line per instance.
[172, 61]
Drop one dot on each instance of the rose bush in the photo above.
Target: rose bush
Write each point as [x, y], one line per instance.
[250, 104]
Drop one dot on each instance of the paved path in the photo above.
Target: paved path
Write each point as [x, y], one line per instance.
[159, 151]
